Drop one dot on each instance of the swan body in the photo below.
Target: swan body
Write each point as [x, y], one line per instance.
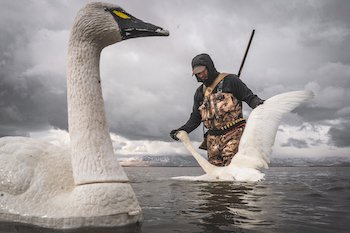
[255, 144]
[54, 184]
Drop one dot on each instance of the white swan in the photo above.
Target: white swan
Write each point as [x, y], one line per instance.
[256, 142]
[50, 185]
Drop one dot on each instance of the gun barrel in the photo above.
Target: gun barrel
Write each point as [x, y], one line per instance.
[246, 52]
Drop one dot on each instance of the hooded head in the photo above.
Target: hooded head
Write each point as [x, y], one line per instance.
[205, 60]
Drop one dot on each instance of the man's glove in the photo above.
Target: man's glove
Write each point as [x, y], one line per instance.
[173, 134]
[257, 103]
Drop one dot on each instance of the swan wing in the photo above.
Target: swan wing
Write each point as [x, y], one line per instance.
[20, 156]
[261, 128]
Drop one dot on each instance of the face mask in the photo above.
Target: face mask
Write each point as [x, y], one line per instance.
[199, 80]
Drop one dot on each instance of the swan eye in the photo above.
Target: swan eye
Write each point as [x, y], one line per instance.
[121, 14]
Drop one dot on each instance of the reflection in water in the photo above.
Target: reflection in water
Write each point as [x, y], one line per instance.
[23, 228]
[228, 207]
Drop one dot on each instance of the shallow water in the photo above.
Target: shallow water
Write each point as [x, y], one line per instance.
[291, 199]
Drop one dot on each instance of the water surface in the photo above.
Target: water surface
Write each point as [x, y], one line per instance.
[290, 199]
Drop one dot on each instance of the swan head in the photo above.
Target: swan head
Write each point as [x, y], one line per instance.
[104, 24]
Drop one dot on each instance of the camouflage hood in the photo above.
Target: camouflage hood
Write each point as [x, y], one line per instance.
[205, 60]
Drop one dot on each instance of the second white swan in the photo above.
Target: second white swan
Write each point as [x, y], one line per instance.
[256, 143]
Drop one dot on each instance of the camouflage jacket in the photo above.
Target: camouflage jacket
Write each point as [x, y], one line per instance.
[236, 89]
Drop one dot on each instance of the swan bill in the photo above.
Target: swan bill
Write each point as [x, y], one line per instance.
[132, 27]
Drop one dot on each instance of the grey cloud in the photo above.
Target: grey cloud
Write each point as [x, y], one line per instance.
[292, 142]
[31, 105]
[315, 142]
[27, 101]
[297, 45]
[118, 145]
[340, 135]
[315, 113]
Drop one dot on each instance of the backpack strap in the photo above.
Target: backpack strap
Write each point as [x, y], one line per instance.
[219, 87]
[218, 79]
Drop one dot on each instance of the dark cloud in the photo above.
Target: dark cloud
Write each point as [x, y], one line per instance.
[28, 101]
[335, 14]
[315, 142]
[30, 104]
[147, 83]
[292, 142]
[315, 113]
[340, 135]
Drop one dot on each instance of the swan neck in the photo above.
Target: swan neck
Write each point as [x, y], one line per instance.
[93, 159]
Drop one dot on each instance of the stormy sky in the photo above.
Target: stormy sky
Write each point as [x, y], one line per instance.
[147, 83]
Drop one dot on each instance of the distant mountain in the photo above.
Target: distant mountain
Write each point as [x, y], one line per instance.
[311, 162]
[189, 161]
[159, 161]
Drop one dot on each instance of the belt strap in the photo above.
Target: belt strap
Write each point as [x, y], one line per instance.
[230, 126]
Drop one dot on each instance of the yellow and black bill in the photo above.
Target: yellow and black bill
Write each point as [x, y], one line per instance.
[131, 27]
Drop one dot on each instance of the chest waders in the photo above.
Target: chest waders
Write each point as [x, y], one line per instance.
[221, 114]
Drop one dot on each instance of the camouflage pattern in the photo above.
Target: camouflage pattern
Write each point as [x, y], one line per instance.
[219, 109]
[222, 148]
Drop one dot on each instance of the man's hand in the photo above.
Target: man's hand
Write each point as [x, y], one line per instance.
[261, 102]
[173, 134]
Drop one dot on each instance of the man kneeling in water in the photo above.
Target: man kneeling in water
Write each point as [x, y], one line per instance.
[218, 103]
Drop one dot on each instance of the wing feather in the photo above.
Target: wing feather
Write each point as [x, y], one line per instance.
[260, 132]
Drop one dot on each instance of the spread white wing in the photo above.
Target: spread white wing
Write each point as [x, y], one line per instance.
[259, 135]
